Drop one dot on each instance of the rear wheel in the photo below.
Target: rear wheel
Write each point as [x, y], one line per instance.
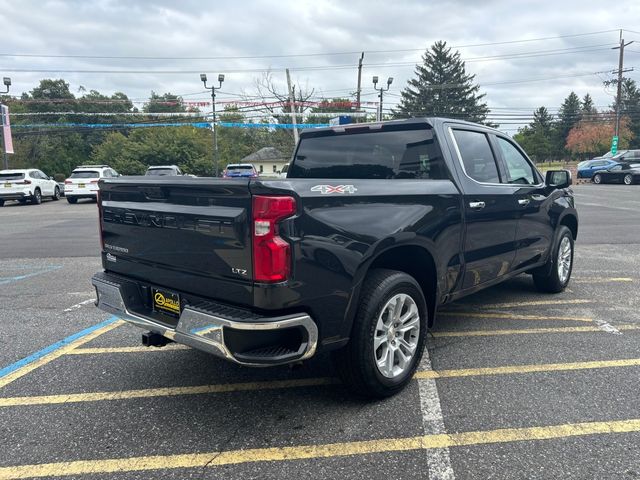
[36, 199]
[554, 276]
[597, 178]
[388, 335]
[628, 179]
[72, 200]
[1, 202]
[56, 194]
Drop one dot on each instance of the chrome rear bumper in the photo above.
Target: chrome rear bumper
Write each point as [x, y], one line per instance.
[203, 328]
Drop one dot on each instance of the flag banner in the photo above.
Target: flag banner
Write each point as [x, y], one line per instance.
[6, 129]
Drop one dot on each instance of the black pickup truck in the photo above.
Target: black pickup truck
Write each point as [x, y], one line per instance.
[375, 226]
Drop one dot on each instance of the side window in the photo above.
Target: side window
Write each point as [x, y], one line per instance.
[34, 174]
[106, 173]
[616, 167]
[477, 157]
[519, 170]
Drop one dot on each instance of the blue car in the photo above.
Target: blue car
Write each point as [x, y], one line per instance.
[587, 168]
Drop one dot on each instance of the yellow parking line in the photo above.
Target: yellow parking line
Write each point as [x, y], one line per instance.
[602, 279]
[57, 354]
[305, 382]
[164, 392]
[513, 316]
[521, 331]
[306, 452]
[511, 369]
[575, 301]
[99, 350]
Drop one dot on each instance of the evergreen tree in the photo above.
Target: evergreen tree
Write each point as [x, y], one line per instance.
[536, 137]
[569, 115]
[442, 88]
[588, 108]
[630, 108]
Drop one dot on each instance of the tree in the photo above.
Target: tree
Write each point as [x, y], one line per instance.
[587, 106]
[537, 136]
[630, 108]
[568, 116]
[442, 88]
[167, 102]
[593, 137]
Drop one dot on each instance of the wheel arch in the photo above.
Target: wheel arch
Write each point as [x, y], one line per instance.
[415, 260]
[571, 222]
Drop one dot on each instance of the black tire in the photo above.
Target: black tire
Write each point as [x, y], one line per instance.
[547, 279]
[355, 363]
[56, 194]
[1, 202]
[628, 179]
[23, 201]
[36, 199]
[597, 179]
[72, 200]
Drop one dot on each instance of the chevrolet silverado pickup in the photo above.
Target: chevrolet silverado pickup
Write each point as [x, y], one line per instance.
[375, 227]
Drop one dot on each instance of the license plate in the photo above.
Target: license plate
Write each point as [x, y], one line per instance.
[81, 185]
[166, 302]
[7, 185]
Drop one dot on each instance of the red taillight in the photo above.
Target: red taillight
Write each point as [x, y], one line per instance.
[93, 181]
[271, 254]
[68, 182]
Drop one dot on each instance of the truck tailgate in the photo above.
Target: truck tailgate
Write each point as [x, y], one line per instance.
[180, 233]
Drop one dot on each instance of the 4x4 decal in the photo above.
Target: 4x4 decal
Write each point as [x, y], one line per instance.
[327, 189]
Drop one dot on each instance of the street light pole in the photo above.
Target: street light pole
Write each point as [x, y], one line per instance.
[213, 89]
[380, 95]
[5, 156]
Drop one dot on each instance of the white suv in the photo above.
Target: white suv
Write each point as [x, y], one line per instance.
[27, 184]
[83, 182]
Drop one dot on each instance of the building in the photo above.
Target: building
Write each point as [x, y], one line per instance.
[267, 160]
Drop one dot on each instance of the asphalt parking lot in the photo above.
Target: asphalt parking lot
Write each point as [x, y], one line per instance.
[516, 384]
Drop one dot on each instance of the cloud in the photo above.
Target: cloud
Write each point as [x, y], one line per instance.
[259, 28]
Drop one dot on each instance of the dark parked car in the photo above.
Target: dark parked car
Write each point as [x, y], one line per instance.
[588, 168]
[375, 227]
[627, 173]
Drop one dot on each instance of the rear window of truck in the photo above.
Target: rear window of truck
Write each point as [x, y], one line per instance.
[369, 154]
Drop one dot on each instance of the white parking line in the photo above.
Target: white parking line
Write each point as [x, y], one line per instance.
[438, 460]
[78, 305]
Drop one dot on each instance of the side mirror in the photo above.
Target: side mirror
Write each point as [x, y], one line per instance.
[558, 178]
[50, 178]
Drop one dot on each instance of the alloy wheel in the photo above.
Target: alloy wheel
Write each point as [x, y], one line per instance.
[564, 259]
[396, 335]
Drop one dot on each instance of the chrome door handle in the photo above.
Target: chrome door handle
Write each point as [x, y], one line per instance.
[524, 201]
[476, 205]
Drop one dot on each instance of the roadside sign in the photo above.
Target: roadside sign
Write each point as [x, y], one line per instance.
[6, 129]
[614, 145]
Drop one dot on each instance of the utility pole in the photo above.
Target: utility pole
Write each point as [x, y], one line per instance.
[359, 82]
[620, 71]
[381, 91]
[203, 78]
[292, 104]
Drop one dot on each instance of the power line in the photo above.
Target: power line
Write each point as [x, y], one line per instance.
[248, 57]
[511, 56]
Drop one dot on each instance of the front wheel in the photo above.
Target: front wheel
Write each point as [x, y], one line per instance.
[554, 276]
[56, 194]
[628, 179]
[388, 335]
[597, 178]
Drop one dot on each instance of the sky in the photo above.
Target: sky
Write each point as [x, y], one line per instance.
[524, 53]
